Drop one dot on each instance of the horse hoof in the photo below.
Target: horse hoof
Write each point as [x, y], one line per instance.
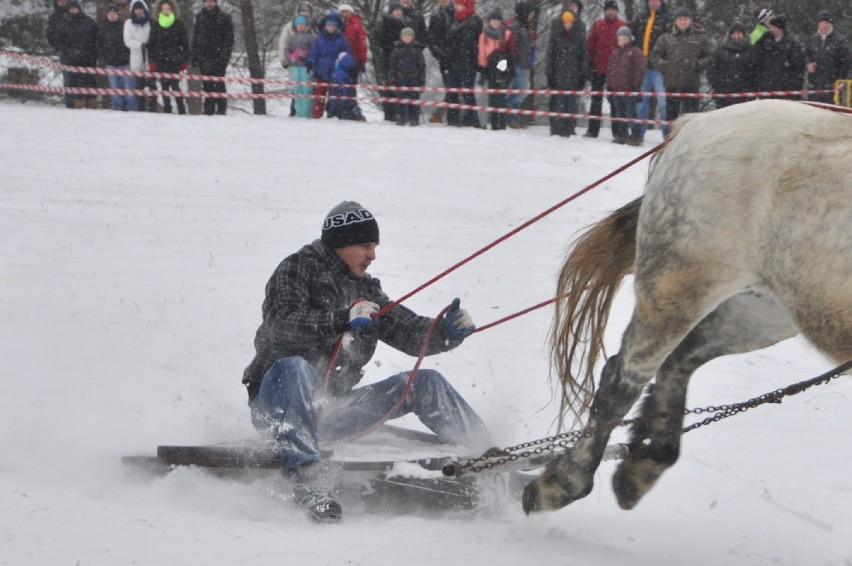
[633, 479]
[546, 494]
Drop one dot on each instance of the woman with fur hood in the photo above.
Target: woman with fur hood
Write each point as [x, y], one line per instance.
[731, 68]
[168, 50]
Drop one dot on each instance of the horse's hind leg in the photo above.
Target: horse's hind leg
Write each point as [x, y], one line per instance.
[743, 323]
[669, 303]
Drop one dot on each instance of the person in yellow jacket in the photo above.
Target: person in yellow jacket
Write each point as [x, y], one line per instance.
[647, 28]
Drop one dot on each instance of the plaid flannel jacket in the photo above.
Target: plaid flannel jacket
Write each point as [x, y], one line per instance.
[307, 307]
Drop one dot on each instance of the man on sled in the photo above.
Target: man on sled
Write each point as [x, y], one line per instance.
[314, 296]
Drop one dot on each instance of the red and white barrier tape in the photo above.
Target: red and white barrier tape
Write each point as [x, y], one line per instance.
[46, 62]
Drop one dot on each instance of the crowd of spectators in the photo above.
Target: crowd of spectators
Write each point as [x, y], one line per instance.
[662, 52]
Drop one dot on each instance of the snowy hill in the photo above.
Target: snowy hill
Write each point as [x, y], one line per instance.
[136, 248]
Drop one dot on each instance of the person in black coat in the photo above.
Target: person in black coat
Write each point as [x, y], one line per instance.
[828, 57]
[389, 28]
[55, 22]
[212, 43]
[438, 41]
[463, 47]
[567, 69]
[407, 67]
[78, 41]
[779, 61]
[114, 54]
[731, 67]
[168, 50]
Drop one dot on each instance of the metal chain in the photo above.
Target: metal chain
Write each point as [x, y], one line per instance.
[496, 457]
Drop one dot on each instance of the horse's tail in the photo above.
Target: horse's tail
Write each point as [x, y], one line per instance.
[588, 281]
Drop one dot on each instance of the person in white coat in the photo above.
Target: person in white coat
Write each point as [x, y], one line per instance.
[137, 31]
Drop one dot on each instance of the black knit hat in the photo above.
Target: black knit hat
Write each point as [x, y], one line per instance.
[495, 14]
[348, 224]
[825, 16]
[610, 5]
[779, 21]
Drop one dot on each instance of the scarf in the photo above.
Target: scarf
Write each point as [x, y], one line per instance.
[166, 20]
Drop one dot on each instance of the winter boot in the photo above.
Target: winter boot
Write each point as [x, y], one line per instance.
[437, 116]
[318, 505]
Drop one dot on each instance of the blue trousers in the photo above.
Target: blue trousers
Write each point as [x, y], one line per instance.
[119, 101]
[520, 80]
[653, 82]
[284, 407]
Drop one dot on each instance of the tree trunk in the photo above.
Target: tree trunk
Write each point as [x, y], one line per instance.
[252, 53]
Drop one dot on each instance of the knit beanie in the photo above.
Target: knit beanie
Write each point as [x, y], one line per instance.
[779, 21]
[763, 15]
[406, 31]
[625, 31]
[495, 15]
[348, 224]
[567, 17]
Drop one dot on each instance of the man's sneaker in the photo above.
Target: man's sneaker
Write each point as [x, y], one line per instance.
[634, 142]
[319, 507]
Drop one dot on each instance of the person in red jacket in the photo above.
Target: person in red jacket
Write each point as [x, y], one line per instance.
[355, 34]
[601, 43]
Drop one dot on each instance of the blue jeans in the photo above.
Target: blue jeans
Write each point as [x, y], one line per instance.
[284, 408]
[461, 79]
[122, 102]
[520, 80]
[653, 82]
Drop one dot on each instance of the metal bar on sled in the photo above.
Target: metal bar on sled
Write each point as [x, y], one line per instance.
[249, 455]
[499, 462]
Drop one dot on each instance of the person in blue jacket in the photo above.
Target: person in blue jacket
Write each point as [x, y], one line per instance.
[345, 77]
[325, 50]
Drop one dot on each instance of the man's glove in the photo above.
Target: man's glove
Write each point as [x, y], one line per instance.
[361, 313]
[458, 321]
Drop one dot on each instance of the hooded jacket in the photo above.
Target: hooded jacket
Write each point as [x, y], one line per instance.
[326, 48]
[731, 67]
[307, 306]
[55, 22]
[681, 56]
[168, 48]
[78, 39]
[111, 49]
[136, 36]
[290, 27]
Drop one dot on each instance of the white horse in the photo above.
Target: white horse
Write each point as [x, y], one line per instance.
[743, 238]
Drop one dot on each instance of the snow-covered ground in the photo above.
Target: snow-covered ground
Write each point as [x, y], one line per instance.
[135, 250]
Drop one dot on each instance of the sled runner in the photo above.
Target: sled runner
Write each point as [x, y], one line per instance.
[392, 469]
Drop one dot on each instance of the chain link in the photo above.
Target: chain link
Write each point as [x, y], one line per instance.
[497, 457]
